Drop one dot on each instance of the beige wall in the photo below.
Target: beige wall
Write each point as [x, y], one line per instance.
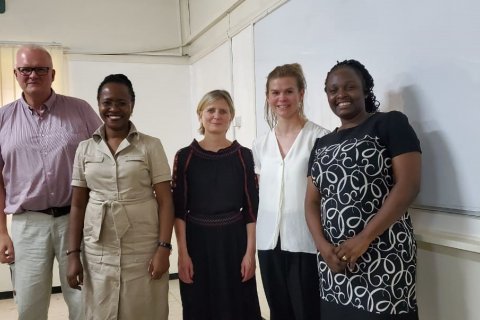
[448, 265]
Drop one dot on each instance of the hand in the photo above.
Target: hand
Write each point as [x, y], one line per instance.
[248, 267]
[185, 268]
[7, 254]
[329, 255]
[75, 271]
[160, 263]
[350, 250]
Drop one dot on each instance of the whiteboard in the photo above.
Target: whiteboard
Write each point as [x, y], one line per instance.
[424, 57]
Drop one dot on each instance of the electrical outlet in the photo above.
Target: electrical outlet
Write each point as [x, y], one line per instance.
[237, 121]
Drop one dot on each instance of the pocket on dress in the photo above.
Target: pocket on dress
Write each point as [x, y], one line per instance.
[134, 158]
[93, 159]
[133, 166]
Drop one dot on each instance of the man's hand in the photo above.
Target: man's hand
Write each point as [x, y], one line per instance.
[7, 254]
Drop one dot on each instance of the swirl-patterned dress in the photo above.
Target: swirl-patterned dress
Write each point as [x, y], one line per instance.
[352, 169]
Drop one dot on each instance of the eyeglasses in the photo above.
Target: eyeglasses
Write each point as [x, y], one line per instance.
[40, 71]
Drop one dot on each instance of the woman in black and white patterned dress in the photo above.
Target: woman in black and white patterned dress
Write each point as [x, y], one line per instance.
[362, 178]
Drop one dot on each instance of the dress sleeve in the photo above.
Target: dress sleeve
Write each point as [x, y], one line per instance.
[399, 134]
[159, 168]
[179, 183]
[78, 173]
[250, 198]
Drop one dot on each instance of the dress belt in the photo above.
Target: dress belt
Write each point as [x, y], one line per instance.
[55, 211]
[119, 215]
[215, 220]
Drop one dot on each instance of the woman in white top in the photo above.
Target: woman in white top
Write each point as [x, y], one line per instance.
[288, 267]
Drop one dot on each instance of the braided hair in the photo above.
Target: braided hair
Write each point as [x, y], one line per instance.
[371, 102]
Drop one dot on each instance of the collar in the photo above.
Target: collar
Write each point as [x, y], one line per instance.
[48, 104]
[99, 134]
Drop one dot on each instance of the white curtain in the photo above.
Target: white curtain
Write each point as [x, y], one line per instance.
[9, 88]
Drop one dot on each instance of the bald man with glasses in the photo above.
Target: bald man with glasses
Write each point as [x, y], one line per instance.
[39, 134]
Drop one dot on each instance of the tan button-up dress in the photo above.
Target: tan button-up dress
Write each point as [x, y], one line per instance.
[121, 226]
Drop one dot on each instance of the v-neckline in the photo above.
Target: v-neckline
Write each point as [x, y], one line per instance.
[293, 144]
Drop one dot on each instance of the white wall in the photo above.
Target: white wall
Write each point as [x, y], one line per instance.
[240, 15]
[422, 60]
[229, 67]
[214, 71]
[162, 90]
[243, 69]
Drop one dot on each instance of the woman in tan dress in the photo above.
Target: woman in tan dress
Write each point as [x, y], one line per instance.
[122, 208]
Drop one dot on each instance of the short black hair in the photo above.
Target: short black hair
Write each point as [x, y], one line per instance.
[117, 78]
[371, 102]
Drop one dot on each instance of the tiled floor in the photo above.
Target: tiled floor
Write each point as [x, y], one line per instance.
[58, 309]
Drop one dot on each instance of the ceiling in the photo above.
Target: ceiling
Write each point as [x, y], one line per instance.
[95, 26]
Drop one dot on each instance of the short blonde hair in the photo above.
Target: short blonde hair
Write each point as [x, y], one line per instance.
[211, 97]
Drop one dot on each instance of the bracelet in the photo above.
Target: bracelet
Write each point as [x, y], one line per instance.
[73, 251]
[164, 244]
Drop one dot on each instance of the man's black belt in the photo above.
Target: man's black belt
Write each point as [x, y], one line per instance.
[55, 211]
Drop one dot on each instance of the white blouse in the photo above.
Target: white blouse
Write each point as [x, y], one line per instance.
[283, 183]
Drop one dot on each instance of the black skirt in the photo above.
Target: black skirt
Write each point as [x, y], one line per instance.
[217, 292]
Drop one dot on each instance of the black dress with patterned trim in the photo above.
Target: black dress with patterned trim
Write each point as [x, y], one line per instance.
[216, 193]
[352, 169]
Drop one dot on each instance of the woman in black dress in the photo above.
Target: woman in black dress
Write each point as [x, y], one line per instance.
[216, 200]
[364, 176]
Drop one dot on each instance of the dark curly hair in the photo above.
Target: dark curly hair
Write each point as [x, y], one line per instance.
[371, 102]
[117, 78]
